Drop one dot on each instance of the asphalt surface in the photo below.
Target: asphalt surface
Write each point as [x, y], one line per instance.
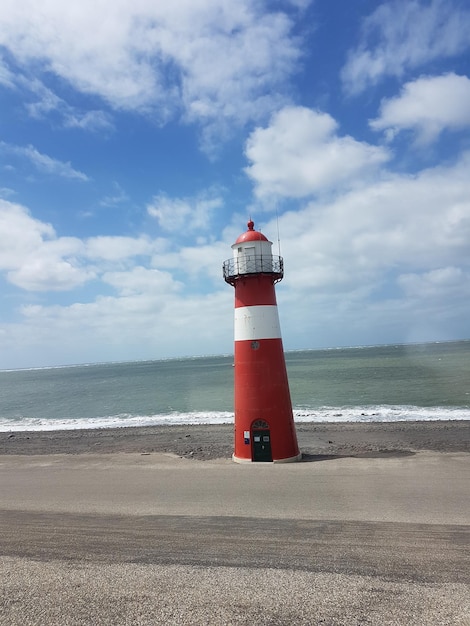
[398, 551]
[158, 539]
[426, 488]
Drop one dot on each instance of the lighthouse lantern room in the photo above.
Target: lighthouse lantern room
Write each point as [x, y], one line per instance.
[264, 424]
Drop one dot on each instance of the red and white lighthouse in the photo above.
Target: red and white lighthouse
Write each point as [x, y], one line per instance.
[264, 424]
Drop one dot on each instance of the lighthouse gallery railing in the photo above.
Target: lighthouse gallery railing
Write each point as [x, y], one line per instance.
[253, 264]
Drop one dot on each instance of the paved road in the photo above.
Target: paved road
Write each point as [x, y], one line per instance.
[152, 539]
[399, 551]
[427, 488]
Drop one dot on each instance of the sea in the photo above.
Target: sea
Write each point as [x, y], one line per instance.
[428, 381]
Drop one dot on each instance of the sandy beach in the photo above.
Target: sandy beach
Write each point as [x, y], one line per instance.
[158, 526]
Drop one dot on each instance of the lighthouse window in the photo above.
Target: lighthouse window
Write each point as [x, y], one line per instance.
[240, 249]
[254, 345]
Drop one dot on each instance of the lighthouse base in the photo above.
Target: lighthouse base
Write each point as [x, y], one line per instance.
[291, 459]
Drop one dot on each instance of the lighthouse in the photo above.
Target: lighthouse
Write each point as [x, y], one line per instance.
[264, 424]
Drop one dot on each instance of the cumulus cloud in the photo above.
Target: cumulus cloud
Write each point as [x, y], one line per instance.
[33, 257]
[185, 214]
[20, 233]
[116, 248]
[427, 106]
[370, 262]
[419, 222]
[142, 280]
[47, 272]
[133, 325]
[403, 35]
[301, 153]
[215, 63]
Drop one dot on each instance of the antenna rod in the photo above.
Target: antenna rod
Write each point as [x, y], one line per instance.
[278, 236]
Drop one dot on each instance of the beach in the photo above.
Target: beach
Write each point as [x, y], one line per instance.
[157, 525]
[212, 441]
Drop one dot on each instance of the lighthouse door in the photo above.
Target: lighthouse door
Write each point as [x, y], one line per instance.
[261, 438]
[246, 260]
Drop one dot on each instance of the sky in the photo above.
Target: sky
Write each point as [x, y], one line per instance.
[137, 139]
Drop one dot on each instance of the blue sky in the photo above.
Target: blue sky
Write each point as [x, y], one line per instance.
[136, 138]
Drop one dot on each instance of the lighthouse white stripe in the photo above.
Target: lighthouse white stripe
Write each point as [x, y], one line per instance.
[257, 322]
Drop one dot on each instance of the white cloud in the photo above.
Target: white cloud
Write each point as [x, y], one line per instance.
[7, 78]
[300, 4]
[115, 248]
[118, 197]
[300, 153]
[401, 223]
[142, 280]
[48, 103]
[387, 260]
[427, 106]
[203, 261]
[152, 323]
[43, 162]
[36, 260]
[443, 282]
[185, 214]
[403, 35]
[436, 303]
[48, 273]
[6, 192]
[93, 121]
[217, 62]
[33, 258]
[376, 263]
[20, 234]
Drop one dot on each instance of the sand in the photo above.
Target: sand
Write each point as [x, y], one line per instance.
[158, 526]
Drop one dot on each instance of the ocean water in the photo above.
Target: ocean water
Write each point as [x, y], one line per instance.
[379, 383]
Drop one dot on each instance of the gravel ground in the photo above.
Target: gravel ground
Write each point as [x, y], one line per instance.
[78, 594]
[216, 441]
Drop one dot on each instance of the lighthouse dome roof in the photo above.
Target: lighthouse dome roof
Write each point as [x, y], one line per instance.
[251, 234]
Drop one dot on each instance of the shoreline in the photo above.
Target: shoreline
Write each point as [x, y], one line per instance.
[211, 441]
